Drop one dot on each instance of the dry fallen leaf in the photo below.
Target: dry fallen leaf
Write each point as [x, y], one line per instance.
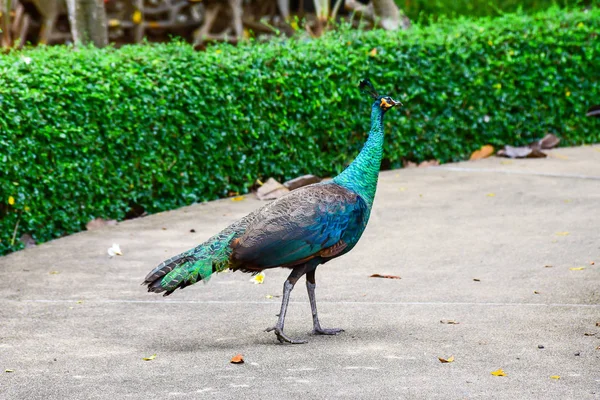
[115, 250]
[577, 268]
[9, 370]
[449, 322]
[491, 194]
[555, 377]
[271, 189]
[562, 233]
[237, 198]
[477, 279]
[152, 357]
[520, 152]
[536, 292]
[446, 360]
[483, 152]
[499, 372]
[237, 359]
[258, 279]
[592, 263]
[385, 276]
[597, 323]
[548, 266]
[301, 181]
[54, 272]
[269, 296]
[589, 334]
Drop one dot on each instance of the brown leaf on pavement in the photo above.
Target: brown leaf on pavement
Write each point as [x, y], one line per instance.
[271, 190]
[483, 152]
[300, 181]
[498, 372]
[449, 322]
[385, 276]
[237, 359]
[520, 152]
[446, 360]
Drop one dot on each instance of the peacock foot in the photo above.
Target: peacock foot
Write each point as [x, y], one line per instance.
[322, 331]
[283, 338]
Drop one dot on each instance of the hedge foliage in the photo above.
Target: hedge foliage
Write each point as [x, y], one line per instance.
[95, 133]
[432, 9]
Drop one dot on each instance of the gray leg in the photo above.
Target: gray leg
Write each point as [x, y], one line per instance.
[310, 287]
[287, 289]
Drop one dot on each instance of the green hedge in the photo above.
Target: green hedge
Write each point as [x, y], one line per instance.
[97, 133]
[433, 9]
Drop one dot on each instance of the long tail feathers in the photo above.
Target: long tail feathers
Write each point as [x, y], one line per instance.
[190, 267]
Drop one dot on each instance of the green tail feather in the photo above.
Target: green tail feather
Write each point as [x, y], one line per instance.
[194, 265]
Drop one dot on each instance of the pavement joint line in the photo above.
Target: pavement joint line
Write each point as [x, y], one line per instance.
[400, 303]
[513, 172]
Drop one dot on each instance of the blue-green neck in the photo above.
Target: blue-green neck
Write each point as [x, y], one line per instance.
[361, 176]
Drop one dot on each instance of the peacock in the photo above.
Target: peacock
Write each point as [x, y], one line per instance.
[307, 227]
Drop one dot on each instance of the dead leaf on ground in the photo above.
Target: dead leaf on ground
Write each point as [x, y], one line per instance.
[498, 372]
[54, 272]
[597, 323]
[548, 266]
[98, 223]
[237, 359]
[237, 198]
[27, 240]
[449, 322]
[555, 377]
[385, 276]
[152, 357]
[577, 268]
[549, 141]
[271, 190]
[592, 263]
[477, 279]
[9, 370]
[483, 152]
[536, 292]
[563, 233]
[589, 334]
[446, 360]
[491, 195]
[300, 181]
[520, 152]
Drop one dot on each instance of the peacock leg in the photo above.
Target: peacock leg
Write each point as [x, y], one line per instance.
[287, 289]
[310, 287]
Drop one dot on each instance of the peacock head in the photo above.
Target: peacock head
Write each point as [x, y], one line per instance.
[383, 102]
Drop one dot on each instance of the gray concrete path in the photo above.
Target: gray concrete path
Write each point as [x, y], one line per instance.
[489, 244]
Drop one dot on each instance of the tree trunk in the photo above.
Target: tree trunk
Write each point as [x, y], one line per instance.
[88, 22]
[384, 12]
[5, 22]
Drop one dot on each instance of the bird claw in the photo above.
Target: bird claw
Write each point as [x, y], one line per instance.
[324, 331]
[282, 337]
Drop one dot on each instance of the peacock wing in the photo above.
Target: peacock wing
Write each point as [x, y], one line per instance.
[299, 226]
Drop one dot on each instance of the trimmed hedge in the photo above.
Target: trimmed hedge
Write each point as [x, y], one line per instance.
[95, 133]
[428, 9]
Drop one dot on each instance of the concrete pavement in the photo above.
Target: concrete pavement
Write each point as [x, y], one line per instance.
[489, 244]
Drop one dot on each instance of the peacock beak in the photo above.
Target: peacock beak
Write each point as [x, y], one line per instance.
[396, 103]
